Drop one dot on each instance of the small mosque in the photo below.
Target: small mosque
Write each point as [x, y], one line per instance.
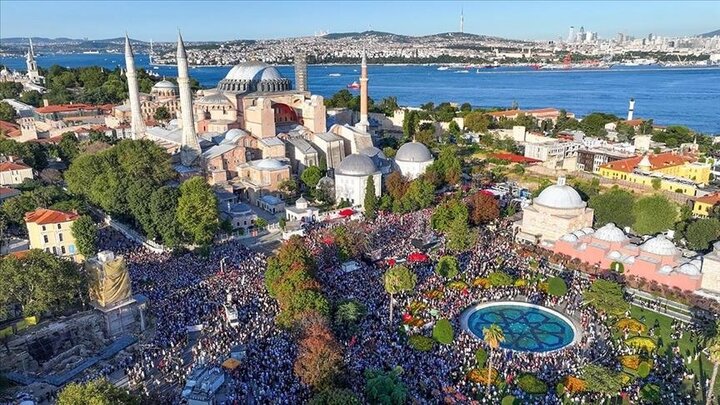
[412, 159]
[557, 211]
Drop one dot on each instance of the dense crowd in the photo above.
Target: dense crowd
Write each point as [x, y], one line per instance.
[189, 290]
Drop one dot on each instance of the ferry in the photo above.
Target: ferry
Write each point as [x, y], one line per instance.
[353, 85]
[334, 75]
[462, 71]
[91, 52]
[443, 68]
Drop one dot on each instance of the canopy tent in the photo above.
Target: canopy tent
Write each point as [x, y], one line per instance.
[416, 257]
[346, 212]
[231, 364]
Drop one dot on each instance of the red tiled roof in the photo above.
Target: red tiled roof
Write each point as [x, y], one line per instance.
[537, 111]
[20, 254]
[8, 166]
[511, 157]
[8, 126]
[42, 216]
[711, 199]
[633, 123]
[65, 108]
[659, 161]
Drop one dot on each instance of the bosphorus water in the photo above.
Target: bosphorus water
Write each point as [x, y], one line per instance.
[682, 96]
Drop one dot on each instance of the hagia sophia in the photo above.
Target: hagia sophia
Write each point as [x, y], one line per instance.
[257, 129]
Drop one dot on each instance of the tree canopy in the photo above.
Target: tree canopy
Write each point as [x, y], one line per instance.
[607, 296]
[40, 282]
[616, 206]
[197, 212]
[654, 214]
[96, 392]
[85, 233]
[702, 232]
[385, 387]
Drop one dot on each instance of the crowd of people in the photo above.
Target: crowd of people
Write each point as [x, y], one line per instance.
[187, 294]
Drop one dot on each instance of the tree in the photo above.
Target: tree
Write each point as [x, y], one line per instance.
[348, 314]
[484, 208]
[385, 388]
[656, 183]
[477, 121]
[7, 112]
[556, 287]
[10, 89]
[85, 233]
[654, 214]
[396, 185]
[311, 176]
[197, 212]
[701, 233]
[398, 279]
[420, 194]
[449, 165]
[614, 206]
[161, 114]
[447, 267]
[319, 356]
[163, 208]
[96, 392]
[370, 202]
[443, 332]
[492, 336]
[32, 97]
[39, 282]
[607, 296]
[602, 380]
[410, 124]
[68, 147]
[335, 396]
[454, 129]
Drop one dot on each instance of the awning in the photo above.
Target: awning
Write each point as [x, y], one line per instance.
[346, 212]
[231, 364]
[417, 257]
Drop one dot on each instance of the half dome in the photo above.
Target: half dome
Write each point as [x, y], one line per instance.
[610, 233]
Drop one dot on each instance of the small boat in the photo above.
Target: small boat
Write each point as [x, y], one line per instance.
[91, 52]
[155, 67]
[334, 75]
[443, 68]
[353, 85]
[463, 71]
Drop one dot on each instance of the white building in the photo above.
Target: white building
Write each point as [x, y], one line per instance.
[301, 212]
[413, 158]
[554, 154]
[12, 174]
[351, 178]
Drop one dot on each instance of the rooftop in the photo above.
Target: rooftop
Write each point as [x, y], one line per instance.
[659, 161]
[9, 166]
[43, 216]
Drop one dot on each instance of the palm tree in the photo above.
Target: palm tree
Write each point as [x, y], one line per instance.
[493, 336]
[715, 359]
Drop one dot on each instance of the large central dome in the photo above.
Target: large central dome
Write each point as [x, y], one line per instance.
[356, 165]
[252, 76]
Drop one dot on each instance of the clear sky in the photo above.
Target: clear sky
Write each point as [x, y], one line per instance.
[223, 20]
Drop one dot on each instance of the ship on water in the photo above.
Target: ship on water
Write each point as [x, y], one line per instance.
[568, 65]
[353, 86]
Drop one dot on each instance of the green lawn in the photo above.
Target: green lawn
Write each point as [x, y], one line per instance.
[702, 368]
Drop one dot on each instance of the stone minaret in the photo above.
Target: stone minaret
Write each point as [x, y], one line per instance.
[300, 72]
[190, 148]
[137, 123]
[32, 69]
[364, 124]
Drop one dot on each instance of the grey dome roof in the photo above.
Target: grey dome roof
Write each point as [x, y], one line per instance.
[659, 245]
[611, 233]
[253, 70]
[413, 152]
[356, 165]
[253, 76]
[559, 196]
[165, 84]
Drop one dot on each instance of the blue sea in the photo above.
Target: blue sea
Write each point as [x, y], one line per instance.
[683, 96]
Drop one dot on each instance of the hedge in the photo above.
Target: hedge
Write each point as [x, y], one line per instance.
[509, 400]
[421, 343]
[531, 384]
[643, 369]
[556, 286]
[499, 279]
[481, 357]
[443, 332]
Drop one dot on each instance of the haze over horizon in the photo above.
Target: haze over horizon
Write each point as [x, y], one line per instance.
[218, 20]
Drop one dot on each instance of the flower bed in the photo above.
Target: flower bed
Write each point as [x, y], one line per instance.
[480, 375]
[642, 343]
[457, 285]
[434, 294]
[481, 282]
[632, 325]
[574, 384]
[631, 361]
